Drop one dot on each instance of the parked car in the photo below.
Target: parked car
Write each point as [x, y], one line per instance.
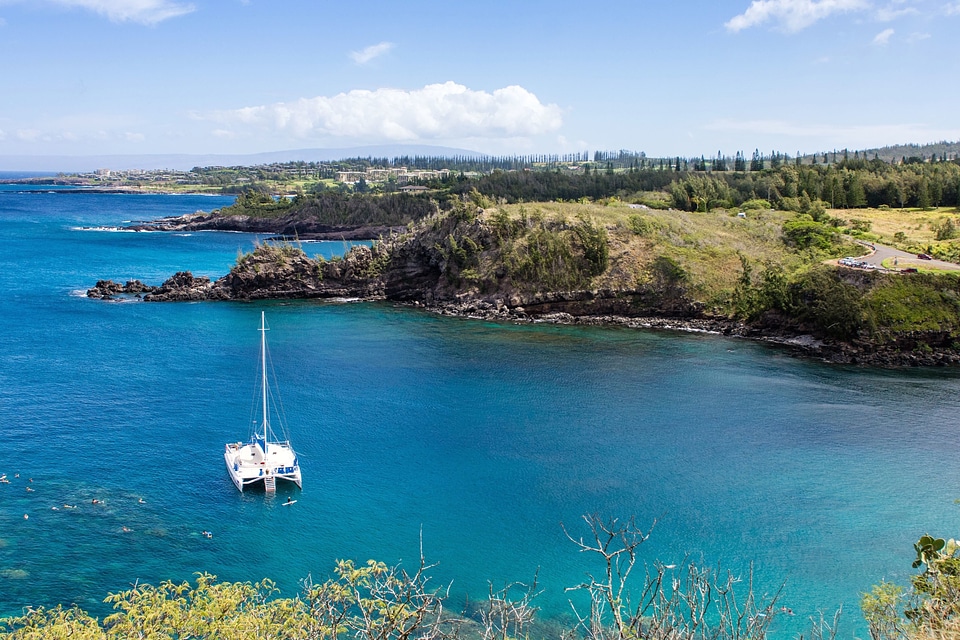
[924, 256]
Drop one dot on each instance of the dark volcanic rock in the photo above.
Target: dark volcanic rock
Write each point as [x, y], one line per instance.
[182, 286]
[135, 286]
[278, 271]
[413, 273]
[105, 289]
[108, 289]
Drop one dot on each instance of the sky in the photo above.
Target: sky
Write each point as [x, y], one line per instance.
[690, 78]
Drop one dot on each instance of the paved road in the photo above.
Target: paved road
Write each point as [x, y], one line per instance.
[901, 259]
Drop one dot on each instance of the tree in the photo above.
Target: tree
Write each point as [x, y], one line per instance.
[856, 197]
[923, 196]
[721, 163]
[739, 163]
[931, 608]
[685, 601]
[880, 608]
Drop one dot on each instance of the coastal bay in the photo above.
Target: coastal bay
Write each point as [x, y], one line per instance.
[484, 436]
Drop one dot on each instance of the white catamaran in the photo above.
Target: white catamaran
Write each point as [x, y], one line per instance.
[264, 458]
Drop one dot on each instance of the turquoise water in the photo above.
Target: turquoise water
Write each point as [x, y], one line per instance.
[482, 437]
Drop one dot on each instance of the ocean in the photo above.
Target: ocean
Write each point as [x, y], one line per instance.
[479, 441]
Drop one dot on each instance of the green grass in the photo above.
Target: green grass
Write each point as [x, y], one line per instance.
[915, 303]
[706, 246]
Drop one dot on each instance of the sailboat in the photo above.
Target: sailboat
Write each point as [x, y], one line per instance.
[264, 459]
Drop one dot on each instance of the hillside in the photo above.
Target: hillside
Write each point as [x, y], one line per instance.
[760, 273]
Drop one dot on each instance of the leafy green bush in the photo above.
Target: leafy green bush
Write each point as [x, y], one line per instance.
[639, 225]
[594, 244]
[827, 304]
[756, 205]
[931, 609]
[804, 233]
[945, 229]
[659, 200]
[791, 204]
[257, 204]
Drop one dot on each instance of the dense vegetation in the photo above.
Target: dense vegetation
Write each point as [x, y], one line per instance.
[848, 184]
[328, 207]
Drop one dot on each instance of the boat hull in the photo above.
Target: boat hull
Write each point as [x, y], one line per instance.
[248, 465]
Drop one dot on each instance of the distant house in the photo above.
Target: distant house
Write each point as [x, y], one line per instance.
[413, 188]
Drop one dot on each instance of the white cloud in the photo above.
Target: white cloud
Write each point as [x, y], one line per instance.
[130, 136]
[3, 134]
[891, 13]
[147, 12]
[791, 15]
[371, 52]
[952, 9]
[918, 37]
[883, 38]
[435, 112]
[28, 135]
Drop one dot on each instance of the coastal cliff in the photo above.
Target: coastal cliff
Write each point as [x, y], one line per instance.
[600, 266]
[293, 225]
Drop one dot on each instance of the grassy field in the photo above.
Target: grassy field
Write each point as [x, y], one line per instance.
[708, 247]
[917, 226]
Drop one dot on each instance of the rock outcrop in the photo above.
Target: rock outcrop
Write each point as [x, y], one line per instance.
[183, 286]
[290, 226]
[273, 271]
[109, 290]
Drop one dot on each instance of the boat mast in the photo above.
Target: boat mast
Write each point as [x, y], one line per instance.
[263, 381]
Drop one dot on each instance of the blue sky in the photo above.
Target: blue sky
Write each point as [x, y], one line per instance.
[85, 77]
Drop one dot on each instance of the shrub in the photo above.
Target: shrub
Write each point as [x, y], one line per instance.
[804, 233]
[945, 229]
[829, 305]
[756, 204]
[639, 225]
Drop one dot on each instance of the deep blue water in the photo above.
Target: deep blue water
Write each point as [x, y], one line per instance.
[482, 436]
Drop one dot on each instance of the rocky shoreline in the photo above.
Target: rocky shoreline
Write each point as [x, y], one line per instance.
[801, 344]
[183, 286]
[288, 228]
[420, 270]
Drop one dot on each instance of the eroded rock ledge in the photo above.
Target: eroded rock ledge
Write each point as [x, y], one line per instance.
[291, 226]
